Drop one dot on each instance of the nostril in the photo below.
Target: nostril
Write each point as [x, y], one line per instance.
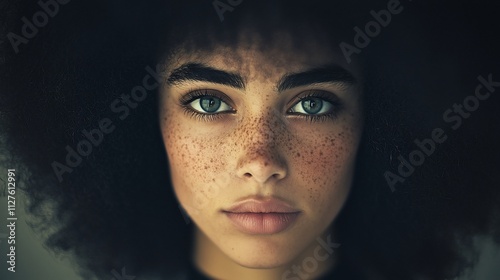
[247, 175]
[278, 176]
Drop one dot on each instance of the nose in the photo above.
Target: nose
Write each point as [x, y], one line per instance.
[260, 158]
[262, 167]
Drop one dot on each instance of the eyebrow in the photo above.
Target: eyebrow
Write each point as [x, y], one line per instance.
[326, 74]
[200, 72]
[203, 73]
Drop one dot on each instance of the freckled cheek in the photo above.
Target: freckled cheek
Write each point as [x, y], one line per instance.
[319, 167]
[325, 168]
[194, 164]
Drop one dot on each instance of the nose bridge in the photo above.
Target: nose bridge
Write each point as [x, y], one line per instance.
[260, 156]
[263, 131]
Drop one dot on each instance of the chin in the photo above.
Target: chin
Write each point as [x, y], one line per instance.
[261, 256]
[261, 263]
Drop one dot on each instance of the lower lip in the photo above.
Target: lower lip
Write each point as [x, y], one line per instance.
[262, 223]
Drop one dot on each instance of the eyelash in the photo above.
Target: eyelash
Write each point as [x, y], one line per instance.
[193, 95]
[325, 96]
[196, 94]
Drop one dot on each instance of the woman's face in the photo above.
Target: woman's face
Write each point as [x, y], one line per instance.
[277, 127]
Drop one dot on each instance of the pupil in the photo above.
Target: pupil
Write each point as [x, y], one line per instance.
[210, 104]
[312, 106]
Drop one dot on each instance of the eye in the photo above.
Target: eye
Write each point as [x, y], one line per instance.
[209, 105]
[312, 106]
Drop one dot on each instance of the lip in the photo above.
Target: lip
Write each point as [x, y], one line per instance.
[255, 216]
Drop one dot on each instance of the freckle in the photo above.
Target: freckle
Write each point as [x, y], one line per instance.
[298, 154]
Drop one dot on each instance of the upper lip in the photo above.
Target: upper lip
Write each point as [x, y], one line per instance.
[256, 205]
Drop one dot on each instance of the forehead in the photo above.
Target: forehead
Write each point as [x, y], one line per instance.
[253, 57]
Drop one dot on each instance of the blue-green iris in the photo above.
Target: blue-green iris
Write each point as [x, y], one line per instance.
[210, 104]
[312, 105]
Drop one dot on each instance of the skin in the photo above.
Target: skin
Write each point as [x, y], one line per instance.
[261, 149]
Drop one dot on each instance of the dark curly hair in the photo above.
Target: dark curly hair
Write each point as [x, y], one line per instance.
[116, 207]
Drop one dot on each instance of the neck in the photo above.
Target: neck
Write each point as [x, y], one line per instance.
[212, 262]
